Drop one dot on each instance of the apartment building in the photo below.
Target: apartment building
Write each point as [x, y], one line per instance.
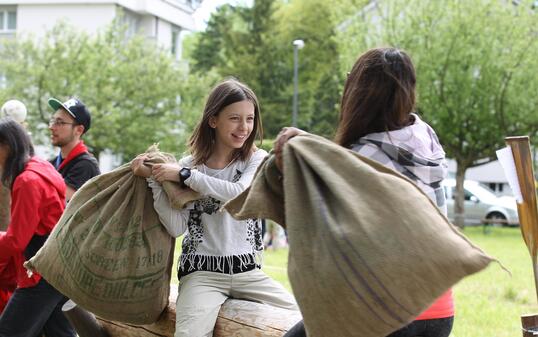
[161, 20]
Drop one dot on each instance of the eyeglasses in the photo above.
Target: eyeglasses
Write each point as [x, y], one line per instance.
[58, 122]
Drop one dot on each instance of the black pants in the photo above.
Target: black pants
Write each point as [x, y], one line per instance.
[440, 327]
[424, 328]
[296, 331]
[35, 310]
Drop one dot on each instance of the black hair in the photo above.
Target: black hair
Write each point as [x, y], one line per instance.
[19, 146]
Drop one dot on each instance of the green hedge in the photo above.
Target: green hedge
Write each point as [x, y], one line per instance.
[267, 144]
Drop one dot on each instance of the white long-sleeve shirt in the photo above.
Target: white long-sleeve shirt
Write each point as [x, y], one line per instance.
[214, 241]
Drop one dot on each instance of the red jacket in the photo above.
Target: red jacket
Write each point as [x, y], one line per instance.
[37, 202]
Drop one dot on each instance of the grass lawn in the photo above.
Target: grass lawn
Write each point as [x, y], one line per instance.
[488, 304]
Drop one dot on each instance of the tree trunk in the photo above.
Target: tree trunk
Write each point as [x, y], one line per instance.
[459, 205]
[236, 318]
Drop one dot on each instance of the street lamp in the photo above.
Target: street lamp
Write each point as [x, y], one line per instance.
[297, 44]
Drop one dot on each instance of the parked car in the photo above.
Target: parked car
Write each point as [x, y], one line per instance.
[481, 204]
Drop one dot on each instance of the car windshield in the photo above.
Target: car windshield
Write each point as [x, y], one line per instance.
[481, 192]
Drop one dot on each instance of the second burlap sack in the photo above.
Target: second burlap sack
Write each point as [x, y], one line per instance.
[369, 251]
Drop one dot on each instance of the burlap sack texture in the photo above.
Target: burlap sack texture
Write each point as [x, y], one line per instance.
[5, 206]
[109, 252]
[369, 251]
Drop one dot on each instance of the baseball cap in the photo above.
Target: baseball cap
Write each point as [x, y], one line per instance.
[76, 109]
[14, 109]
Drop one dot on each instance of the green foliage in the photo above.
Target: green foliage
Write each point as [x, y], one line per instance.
[194, 90]
[210, 49]
[472, 59]
[473, 62]
[267, 144]
[255, 45]
[320, 79]
[491, 302]
[131, 86]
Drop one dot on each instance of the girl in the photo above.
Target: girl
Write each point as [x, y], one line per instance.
[377, 121]
[221, 256]
[37, 202]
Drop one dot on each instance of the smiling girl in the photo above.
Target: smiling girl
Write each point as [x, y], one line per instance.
[221, 256]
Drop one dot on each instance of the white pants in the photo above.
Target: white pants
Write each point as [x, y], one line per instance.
[202, 293]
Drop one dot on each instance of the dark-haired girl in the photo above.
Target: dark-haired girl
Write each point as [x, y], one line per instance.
[37, 202]
[377, 120]
[221, 256]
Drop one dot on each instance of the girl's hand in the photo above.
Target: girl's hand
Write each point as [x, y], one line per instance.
[138, 167]
[282, 138]
[168, 171]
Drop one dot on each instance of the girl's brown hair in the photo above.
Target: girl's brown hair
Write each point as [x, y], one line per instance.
[379, 95]
[202, 140]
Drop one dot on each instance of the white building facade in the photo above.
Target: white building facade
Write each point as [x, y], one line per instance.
[164, 21]
[161, 20]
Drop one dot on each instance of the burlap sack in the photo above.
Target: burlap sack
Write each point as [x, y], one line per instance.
[5, 206]
[179, 196]
[109, 252]
[369, 251]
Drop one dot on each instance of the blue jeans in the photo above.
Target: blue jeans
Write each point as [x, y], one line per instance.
[424, 328]
[35, 310]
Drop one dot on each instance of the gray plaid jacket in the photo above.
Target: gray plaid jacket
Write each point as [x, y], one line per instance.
[415, 152]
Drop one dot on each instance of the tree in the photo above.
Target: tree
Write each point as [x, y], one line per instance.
[320, 79]
[474, 62]
[131, 86]
[254, 44]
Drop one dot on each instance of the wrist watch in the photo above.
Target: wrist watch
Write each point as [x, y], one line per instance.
[184, 174]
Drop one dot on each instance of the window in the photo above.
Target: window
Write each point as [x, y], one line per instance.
[8, 20]
[175, 35]
[175, 45]
[11, 20]
[175, 42]
[131, 21]
[193, 4]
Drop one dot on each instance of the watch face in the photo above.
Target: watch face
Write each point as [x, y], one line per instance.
[185, 173]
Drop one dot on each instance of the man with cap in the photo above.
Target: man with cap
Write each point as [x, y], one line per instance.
[70, 121]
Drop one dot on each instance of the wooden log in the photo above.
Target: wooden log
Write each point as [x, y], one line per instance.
[237, 318]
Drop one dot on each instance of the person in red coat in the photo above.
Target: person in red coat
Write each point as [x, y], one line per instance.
[37, 202]
[16, 110]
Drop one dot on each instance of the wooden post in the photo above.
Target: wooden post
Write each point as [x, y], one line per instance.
[528, 214]
[529, 324]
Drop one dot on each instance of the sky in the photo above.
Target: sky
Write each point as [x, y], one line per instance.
[202, 14]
